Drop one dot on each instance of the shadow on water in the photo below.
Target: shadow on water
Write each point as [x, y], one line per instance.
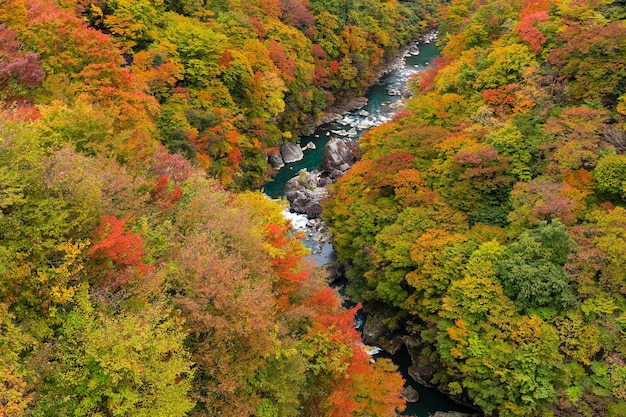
[430, 400]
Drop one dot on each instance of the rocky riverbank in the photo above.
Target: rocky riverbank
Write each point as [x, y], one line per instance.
[338, 112]
[422, 368]
[306, 190]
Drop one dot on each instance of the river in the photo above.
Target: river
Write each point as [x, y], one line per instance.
[380, 108]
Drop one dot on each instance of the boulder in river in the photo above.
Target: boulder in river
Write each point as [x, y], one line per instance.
[410, 394]
[364, 124]
[337, 153]
[305, 193]
[291, 152]
[308, 146]
[453, 414]
[340, 132]
[275, 160]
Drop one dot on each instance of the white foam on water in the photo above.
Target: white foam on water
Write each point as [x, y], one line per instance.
[373, 350]
[298, 221]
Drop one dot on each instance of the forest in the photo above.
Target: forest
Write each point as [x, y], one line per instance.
[488, 219]
[141, 274]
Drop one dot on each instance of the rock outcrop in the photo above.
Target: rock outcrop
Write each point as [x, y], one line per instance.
[422, 368]
[377, 333]
[410, 394]
[337, 154]
[306, 191]
[291, 152]
[332, 271]
[308, 146]
[275, 160]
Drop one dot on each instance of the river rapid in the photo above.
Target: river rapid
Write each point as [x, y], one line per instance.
[384, 101]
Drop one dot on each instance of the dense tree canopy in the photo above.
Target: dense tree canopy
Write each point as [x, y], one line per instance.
[496, 238]
[163, 294]
[218, 81]
[132, 283]
[488, 217]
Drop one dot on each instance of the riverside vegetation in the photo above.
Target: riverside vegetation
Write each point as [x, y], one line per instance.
[485, 226]
[134, 281]
[486, 223]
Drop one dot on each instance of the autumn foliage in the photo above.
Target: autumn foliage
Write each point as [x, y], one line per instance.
[16, 65]
[494, 248]
[528, 32]
[487, 219]
[131, 282]
[120, 248]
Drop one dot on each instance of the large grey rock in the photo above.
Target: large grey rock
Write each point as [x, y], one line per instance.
[275, 160]
[305, 193]
[453, 414]
[336, 174]
[410, 394]
[291, 152]
[344, 167]
[336, 153]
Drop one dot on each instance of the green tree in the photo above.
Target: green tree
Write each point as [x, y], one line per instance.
[127, 364]
[532, 274]
[611, 175]
[510, 142]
